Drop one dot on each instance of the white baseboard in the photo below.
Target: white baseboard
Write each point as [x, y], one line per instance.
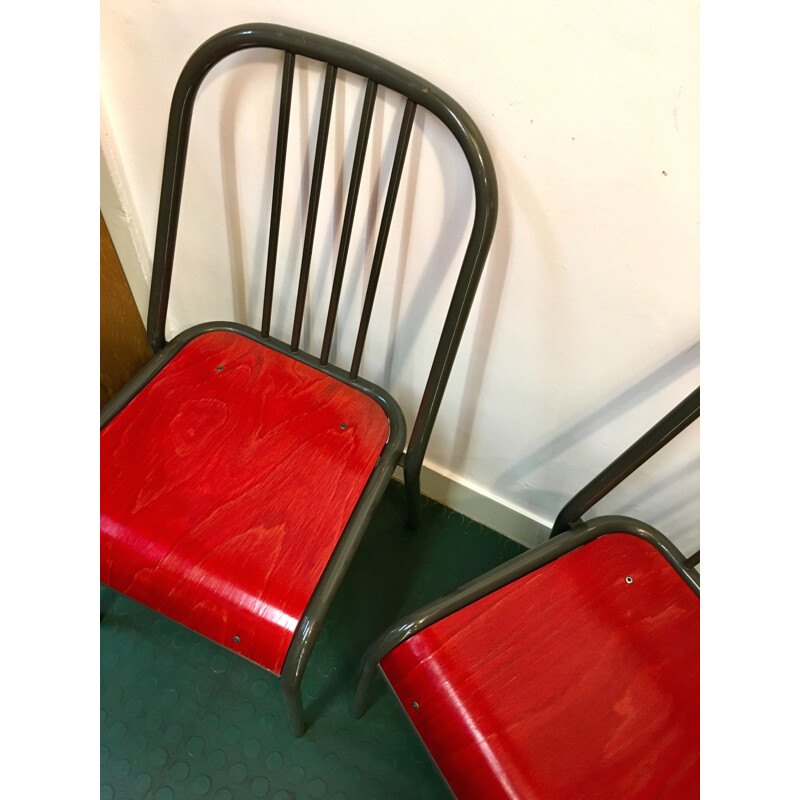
[120, 217]
[478, 504]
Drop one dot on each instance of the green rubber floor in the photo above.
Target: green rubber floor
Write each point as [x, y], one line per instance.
[181, 717]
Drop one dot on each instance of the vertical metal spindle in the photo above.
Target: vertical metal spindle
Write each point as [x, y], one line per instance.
[277, 188]
[313, 202]
[383, 233]
[349, 214]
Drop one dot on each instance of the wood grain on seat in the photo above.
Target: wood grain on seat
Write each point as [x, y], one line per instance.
[571, 683]
[225, 485]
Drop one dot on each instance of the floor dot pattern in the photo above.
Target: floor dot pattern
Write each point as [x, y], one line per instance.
[180, 717]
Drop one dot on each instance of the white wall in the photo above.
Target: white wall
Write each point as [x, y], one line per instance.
[586, 327]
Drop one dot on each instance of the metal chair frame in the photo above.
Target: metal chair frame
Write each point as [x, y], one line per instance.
[568, 533]
[377, 71]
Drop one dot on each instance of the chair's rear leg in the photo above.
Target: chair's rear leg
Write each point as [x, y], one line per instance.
[413, 500]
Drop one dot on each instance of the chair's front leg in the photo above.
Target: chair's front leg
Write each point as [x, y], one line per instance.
[294, 704]
[296, 661]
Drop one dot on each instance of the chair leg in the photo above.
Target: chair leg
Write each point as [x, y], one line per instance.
[369, 665]
[413, 500]
[294, 705]
[359, 705]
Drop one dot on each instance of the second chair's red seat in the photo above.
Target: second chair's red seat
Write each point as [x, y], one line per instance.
[579, 681]
[225, 486]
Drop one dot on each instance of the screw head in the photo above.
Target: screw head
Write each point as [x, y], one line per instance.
[415, 705]
[236, 640]
[343, 425]
[220, 368]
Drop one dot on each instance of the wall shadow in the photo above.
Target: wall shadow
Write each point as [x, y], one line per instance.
[490, 294]
[676, 367]
[230, 107]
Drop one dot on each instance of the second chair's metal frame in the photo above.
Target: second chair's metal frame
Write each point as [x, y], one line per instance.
[569, 532]
[507, 573]
[666, 429]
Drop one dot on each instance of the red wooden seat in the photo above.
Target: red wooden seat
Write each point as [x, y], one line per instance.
[206, 481]
[570, 682]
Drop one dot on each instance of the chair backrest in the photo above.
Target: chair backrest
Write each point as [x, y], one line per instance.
[337, 57]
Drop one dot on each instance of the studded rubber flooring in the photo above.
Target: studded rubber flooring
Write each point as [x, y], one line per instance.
[181, 717]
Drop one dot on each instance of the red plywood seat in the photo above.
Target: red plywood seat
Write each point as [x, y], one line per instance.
[207, 478]
[579, 680]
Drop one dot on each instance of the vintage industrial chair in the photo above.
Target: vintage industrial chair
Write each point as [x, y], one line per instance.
[572, 670]
[238, 473]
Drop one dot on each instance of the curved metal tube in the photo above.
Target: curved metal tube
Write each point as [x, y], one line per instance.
[506, 573]
[666, 429]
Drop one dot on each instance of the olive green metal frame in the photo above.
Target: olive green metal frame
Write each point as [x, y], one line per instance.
[418, 92]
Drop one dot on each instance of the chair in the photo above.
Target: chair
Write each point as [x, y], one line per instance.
[570, 671]
[238, 472]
